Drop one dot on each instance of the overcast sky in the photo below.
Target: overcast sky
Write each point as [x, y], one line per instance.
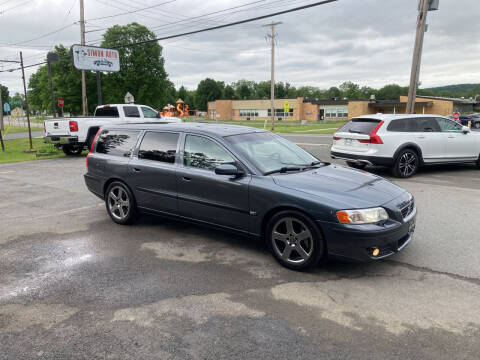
[369, 42]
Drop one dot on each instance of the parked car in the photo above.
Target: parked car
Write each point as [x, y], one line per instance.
[252, 182]
[405, 142]
[476, 121]
[74, 134]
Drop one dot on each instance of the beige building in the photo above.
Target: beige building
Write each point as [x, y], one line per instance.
[297, 109]
[332, 109]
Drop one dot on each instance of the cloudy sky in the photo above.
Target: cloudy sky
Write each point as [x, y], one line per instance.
[369, 42]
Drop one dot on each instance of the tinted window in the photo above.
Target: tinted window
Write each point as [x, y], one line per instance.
[403, 125]
[428, 125]
[110, 111]
[360, 126]
[159, 147]
[116, 142]
[448, 125]
[203, 153]
[131, 111]
[148, 113]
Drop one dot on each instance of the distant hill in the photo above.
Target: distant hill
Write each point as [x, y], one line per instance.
[466, 90]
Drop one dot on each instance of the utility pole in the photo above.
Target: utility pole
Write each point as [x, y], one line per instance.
[423, 8]
[272, 71]
[82, 41]
[99, 89]
[1, 111]
[26, 103]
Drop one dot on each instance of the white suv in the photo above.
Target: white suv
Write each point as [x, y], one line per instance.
[405, 142]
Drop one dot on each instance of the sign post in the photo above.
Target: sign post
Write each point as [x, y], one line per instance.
[61, 103]
[95, 59]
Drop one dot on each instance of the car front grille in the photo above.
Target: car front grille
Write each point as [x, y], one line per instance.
[408, 209]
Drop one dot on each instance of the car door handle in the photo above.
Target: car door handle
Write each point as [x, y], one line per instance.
[451, 137]
[136, 170]
[420, 137]
[186, 178]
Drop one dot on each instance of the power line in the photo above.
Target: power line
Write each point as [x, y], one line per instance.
[14, 7]
[230, 24]
[26, 66]
[131, 12]
[44, 35]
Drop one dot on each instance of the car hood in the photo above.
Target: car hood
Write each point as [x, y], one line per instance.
[343, 187]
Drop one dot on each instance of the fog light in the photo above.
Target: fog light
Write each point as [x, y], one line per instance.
[375, 251]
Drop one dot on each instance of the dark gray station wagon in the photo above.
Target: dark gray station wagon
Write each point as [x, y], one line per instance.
[252, 182]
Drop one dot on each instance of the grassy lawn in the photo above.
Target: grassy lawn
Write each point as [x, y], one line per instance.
[14, 151]
[294, 127]
[16, 129]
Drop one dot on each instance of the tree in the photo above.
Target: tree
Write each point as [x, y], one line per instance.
[350, 90]
[142, 71]
[5, 94]
[207, 90]
[182, 93]
[333, 92]
[391, 92]
[228, 93]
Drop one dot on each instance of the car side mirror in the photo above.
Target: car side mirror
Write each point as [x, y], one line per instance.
[228, 169]
[159, 116]
[465, 129]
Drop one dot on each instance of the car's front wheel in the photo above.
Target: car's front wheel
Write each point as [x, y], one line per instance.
[477, 125]
[406, 164]
[294, 240]
[120, 203]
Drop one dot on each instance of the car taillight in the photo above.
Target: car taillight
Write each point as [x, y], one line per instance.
[374, 138]
[91, 147]
[336, 138]
[73, 126]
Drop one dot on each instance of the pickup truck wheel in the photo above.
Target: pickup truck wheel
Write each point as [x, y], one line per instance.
[477, 125]
[74, 150]
[120, 203]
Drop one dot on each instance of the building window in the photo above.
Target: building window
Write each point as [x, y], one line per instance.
[213, 114]
[248, 113]
[281, 112]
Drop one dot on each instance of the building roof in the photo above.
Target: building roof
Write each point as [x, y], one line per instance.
[326, 101]
[392, 103]
[456, 100]
[200, 128]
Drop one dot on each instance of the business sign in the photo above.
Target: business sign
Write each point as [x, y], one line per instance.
[94, 58]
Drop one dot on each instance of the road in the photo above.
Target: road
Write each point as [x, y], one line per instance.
[75, 285]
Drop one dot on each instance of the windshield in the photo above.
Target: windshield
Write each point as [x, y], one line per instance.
[269, 152]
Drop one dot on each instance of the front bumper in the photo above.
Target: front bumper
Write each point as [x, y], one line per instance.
[62, 140]
[357, 242]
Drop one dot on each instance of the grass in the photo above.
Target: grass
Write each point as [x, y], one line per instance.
[14, 151]
[292, 127]
[16, 129]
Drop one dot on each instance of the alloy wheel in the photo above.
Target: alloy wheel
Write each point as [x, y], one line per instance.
[407, 164]
[292, 240]
[118, 203]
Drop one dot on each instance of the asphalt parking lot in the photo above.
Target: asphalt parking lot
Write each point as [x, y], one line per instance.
[75, 285]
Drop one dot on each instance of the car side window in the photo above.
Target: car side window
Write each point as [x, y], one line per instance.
[131, 111]
[204, 153]
[148, 113]
[428, 124]
[403, 125]
[116, 142]
[109, 111]
[447, 125]
[158, 146]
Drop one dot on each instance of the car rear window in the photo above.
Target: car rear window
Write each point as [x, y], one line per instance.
[360, 126]
[117, 142]
[131, 111]
[110, 111]
[159, 146]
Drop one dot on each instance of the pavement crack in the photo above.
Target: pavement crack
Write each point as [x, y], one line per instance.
[472, 280]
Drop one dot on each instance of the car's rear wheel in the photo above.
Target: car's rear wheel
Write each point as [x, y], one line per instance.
[294, 240]
[355, 165]
[406, 164]
[120, 203]
[74, 150]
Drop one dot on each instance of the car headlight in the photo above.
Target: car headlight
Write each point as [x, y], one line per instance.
[362, 216]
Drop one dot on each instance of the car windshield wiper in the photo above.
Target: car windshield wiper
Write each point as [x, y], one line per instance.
[283, 170]
[315, 164]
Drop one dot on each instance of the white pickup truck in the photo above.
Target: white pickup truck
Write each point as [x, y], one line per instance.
[75, 133]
